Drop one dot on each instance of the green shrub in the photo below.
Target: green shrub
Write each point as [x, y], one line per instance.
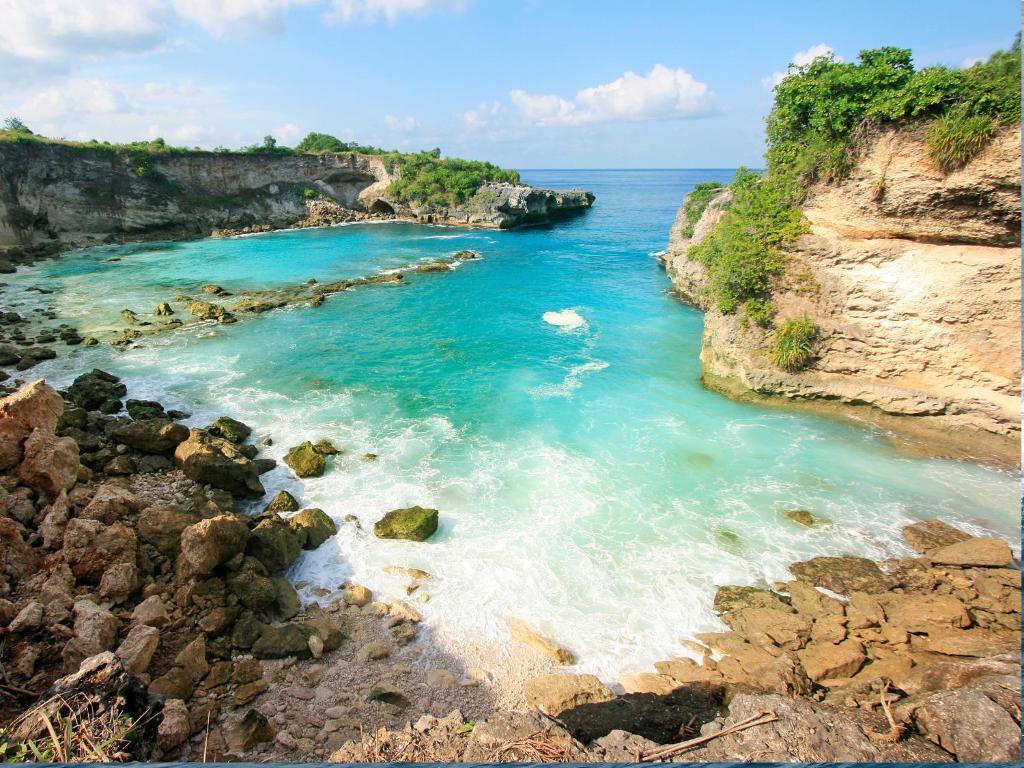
[308, 193]
[957, 137]
[793, 343]
[697, 202]
[760, 312]
[425, 177]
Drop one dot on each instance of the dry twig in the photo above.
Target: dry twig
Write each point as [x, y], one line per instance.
[896, 731]
[761, 718]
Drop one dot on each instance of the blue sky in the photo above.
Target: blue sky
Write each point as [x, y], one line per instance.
[525, 83]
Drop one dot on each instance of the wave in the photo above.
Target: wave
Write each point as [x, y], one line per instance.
[566, 319]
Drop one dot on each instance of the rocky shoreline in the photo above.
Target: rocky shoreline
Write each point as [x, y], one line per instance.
[132, 579]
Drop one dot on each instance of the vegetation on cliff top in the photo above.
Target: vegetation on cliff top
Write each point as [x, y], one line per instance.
[425, 177]
[822, 113]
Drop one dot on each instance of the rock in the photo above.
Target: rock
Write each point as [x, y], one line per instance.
[991, 553]
[388, 694]
[412, 523]
[150, 612]
[932, 534]
[252, 729]
[808, 601]
[357, 595]
[17, 559]
[204, 310]
[277, 642]
[976, 642]
[145, 409]
[34, 406]
[192, 659]
[163, 309]
[970, 725]
[648, 682]
[843, 575]
[118, 582]
[372, 651]
[161, 526]
[214, 290]
[217, 620]
[29, 619]
[95, 628]
[440, 678]
[111, 503]
[249, 691]
[274, 543]
[805, 518]
[403, 633]
[54, 523]
[218, 462]
[554, 694]
[91, 547]
[829, 629]
[733, 598]
[97, 391]
[121, 465]
[160, 436]
[49, 464]
[246, 671]
[316, 646]
[175, 726]
[524, 634]
[176, 683]
[770, 626]
[282, 502]
[210, 543]
[620, 746]
[326, 448]
[230, 429]
[305, 460]
[863, 611]
[402, 611]
[137, 649]
[313, 526]
[921, 613]
[825, 661]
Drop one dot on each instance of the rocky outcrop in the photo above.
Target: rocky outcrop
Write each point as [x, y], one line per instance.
[57, 193]
[913, 279]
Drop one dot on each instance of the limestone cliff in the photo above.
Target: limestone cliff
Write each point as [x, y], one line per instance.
[913, 278]
[74, 195]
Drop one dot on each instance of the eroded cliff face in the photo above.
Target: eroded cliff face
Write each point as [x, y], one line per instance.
[51, 193]
[914, 281]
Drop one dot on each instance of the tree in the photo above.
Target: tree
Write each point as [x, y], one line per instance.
[269, 142]
[14, 124]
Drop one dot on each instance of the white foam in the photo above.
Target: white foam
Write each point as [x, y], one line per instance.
[566, 319]
[573, 380]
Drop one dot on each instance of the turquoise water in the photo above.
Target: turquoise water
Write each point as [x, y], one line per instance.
[586, 482]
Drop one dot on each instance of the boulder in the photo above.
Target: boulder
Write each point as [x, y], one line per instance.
[151, 612]
[412, 523]
[161, 526]
[204, 310]
[977, 642]
[111, 503]
[733, 598]
[118, 582]
[49, 464]
[554, 694]
[55, 521]
[805, 518]
[357, 595]
[970, 725]
[279, 641]
[137, 649]
[372, 651]
[991, 553]
[921, 613]
[230, 429]
[214, 461]
[192, 659]
[843, 575]
[95, 628]
[175, 727]
[34, 406]
[274, 543]
[808, 601]
[145, 409]
[932, 534]
[524, 634]
[314, 527]
[863, 611]
[388, 694]
[97, 391]
[18, 560]
[305, 460]
[176, 683]
[29, 619]
[770, 626]
[160, 436]
[648, 682]
[282, 502]
[210, 543]
[91, 547]
[825, 661]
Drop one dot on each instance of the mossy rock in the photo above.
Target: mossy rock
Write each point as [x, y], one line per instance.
[313, 526]
[412, 523]
[805, 518]
[305, 460]
[326, 448]
[282, 502]
[230, 429]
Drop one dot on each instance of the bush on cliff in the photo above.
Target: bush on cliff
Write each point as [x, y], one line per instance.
[793, 343]
[427, 178]
[697, 202]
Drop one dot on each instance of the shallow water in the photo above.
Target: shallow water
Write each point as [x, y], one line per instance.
[586, 481]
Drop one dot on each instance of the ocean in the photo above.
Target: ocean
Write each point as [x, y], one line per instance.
[546, 399]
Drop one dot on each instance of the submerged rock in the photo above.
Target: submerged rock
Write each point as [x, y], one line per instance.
[524, 634]
[412, 523]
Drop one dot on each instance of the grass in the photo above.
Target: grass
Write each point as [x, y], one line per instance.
[956, 138]
[792, 346]
[697, 202]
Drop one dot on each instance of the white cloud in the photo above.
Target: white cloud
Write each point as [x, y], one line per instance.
[74, 98]
[800, 59]
[287, 134]
[404, 124]
[483, 116]
[368, 11]
[219, 17]
[662, 94]
[41, 30]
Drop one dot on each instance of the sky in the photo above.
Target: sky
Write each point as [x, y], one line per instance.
[523, 83]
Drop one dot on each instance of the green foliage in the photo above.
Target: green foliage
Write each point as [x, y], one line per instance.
[15, 125]
[742, 254]
[268, 146]
[793, 343]
[761, 312]
[425, 177]
[956, 137]
[823, 108]
[325, 144]
[697, 202]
